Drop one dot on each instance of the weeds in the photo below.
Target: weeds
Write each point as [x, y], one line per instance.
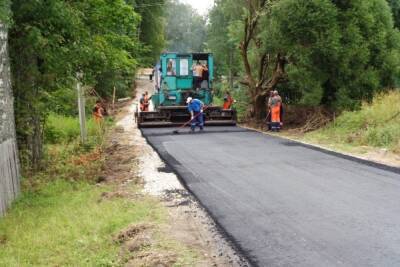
[65, 224]
[376, 124]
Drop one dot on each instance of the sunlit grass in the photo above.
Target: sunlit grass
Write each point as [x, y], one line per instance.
[66, 224]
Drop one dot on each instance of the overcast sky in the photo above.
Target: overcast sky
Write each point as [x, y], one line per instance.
[201, 5]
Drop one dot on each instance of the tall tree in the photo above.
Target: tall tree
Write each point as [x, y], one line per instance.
[263, 70]
[50, 41]
[185, 29]
[151, 30]
[329, 52]
[222, 16]
[341, 52]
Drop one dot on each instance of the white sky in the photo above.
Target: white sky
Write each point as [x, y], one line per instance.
[201, 5]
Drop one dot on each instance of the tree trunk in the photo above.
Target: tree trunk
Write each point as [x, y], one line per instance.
[230, 70]
[260, 107]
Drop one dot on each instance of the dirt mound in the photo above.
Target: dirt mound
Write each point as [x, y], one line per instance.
[139, 247]
[120, 163]
[153, 259]
[139, 242]
[131, 232]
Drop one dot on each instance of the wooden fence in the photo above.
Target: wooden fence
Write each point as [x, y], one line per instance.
[9, 166]
[9, 174]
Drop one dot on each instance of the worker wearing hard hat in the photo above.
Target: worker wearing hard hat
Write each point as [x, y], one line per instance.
[195, 108]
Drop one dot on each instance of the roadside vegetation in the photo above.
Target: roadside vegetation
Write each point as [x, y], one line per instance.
[376, 124]
[66, 215]
[316, 53]
[325, 57]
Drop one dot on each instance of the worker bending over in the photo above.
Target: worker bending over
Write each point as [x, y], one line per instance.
[195, 108]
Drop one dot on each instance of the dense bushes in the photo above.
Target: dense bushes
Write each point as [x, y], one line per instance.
[338, 53]
[52, 41]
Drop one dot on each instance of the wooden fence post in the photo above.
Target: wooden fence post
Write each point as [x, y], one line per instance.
[81, 107]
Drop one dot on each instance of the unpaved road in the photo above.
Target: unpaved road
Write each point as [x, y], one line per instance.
[286, 204]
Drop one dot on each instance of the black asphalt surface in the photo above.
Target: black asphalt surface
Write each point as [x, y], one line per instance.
[286, 204]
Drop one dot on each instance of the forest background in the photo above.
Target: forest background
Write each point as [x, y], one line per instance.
[318, 53]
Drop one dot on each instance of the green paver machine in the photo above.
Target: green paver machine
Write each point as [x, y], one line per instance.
[174, 84]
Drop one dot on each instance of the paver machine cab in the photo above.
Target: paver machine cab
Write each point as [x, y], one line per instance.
[175, 83]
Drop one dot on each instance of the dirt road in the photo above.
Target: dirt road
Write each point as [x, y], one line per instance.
[287, 204]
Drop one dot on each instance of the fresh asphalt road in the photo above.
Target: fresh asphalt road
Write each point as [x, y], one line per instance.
[286, 204]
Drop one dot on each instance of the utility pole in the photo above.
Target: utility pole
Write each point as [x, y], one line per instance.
[81, 107]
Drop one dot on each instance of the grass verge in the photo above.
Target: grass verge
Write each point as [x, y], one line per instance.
[374, 125]
[63, 218]
[66, 224]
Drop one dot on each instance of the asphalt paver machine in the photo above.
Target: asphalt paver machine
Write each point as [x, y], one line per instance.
[175, 83]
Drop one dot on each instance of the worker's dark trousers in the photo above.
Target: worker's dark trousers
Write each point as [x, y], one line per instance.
[197, 121]
[197, 82]
[275, 126]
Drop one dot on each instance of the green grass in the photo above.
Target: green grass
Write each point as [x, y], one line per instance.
[61, 219]
[376, 125]
[65, 224]
[63, 129]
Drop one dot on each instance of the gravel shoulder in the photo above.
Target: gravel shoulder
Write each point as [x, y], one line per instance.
[187, 224]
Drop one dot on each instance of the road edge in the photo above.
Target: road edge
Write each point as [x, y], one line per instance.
[332, 152]
[241, 252]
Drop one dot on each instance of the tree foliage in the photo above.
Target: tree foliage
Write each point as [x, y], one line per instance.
[335, 52]
[220, 41]
[340, 52]
[151, 28]
[185, 29]
[395, 6]
[4, 11]
[52, 40]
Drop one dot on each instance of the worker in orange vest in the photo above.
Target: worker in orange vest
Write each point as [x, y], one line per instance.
[275, 105]
[228, 101]
[145, 102]
[98, 112]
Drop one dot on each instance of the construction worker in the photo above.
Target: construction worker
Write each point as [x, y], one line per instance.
[98, 112]
[98, 116]
[205, 76]
[198, 74]
[269, 102]
[145, 102]
[195, 108]
[228, 101]
[275, 106]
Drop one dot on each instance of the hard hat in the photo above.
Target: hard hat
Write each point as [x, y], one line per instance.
[188, 100]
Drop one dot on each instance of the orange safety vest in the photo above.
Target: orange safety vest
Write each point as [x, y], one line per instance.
[144, 103]
[228, 102]
[276, 113]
